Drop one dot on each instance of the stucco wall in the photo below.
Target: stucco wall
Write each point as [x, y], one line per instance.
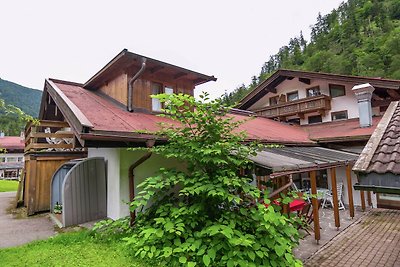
[347, 102]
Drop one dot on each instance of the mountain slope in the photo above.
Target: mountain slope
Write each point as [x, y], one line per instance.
[27, 99]
[360, 37]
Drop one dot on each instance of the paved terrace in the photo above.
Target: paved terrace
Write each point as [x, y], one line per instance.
[308, 246]
[373, 240]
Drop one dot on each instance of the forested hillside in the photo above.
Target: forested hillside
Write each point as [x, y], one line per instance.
[27, 99]
[360, 37]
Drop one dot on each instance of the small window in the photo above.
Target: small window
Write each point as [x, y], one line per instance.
[294, 121]
[11, 159]
[20, 159]
[339, 115]
[336, 90]
[314, 119]
[292, 96]
[274, 100]
[156, 88]
[313, 91]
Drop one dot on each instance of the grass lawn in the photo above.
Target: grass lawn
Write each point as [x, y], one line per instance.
[7, 186]
[69, 249]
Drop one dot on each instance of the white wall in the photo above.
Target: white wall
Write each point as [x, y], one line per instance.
[347, 102]
[341, 177]
[14, 156]
[118, 162]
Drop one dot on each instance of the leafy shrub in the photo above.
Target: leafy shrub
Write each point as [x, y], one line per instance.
[207, 215]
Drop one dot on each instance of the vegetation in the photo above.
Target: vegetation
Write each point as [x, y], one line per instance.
[360, 37]
[207, 215]
[27, 99]
[8, 186]
[69, 249]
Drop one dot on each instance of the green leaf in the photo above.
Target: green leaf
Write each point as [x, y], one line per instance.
[182, 259]
[206, 260]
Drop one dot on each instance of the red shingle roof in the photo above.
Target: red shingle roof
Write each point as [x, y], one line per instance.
[340, 130]
[12, 143]
[108, 116]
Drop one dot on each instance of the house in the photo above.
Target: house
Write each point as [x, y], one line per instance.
[12, 157]
[336, 111]
[378, 166]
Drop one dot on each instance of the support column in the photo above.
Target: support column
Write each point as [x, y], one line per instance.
[335, 198]
[362, 194]
[350, 190]
[315, 206]
[369, 198]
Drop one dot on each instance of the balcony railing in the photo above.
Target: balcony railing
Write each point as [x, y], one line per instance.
[48, 136]
[297, 107]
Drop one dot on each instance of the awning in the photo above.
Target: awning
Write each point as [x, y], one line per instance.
[286, 160]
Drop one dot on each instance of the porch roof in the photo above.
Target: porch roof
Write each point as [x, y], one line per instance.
[287, 160]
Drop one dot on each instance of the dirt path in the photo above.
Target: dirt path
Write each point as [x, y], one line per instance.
[14, 232]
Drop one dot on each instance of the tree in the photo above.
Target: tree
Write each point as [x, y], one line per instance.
[207, 215]
[12, 119]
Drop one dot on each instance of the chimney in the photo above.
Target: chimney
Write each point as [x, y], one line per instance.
[363, 94]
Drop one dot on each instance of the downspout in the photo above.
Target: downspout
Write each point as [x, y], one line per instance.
[132, 181]
[130, 84]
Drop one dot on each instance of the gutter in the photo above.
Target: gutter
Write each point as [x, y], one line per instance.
[377, 189]
[130, 83]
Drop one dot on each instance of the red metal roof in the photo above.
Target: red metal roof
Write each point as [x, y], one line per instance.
[339, 130]
[108, 116]
[12, 143]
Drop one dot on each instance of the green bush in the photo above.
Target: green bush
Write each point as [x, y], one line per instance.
[207, 215]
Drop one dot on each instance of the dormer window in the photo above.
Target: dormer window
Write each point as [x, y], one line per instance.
[158, 88]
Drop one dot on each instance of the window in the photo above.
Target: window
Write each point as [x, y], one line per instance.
[339, 115]
[11, 159]
[20, 159]
[294, 121]
[314, 119]
[292, 96]
[313, 91]
[274, 100]
[336, 90]
[156, 88]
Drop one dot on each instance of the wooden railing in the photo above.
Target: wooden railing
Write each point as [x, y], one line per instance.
[300, 106]
[58, 136]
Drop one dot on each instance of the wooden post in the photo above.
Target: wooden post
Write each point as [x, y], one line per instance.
[350, 190]
[335, 198]
[315, 206]
[362, 200]
[369, 198]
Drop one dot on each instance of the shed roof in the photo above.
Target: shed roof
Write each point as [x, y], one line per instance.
[296, 159]
[382, 152]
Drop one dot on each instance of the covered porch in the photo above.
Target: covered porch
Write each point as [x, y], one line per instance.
[315, 170]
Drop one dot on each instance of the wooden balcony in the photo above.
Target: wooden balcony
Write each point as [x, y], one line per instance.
[48, 136]
[298, 107]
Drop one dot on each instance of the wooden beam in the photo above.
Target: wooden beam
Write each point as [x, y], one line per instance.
[376, 97]
[335, 198]
[350, 190]
[305, 80]
[369, 198]
[315, 205]
[155, 69]
[393, 93]
[362, 195]
[180, 75]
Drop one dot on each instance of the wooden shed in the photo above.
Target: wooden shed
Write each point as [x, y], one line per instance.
[45, 152]
[78, 192]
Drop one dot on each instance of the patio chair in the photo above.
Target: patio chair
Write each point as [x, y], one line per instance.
[307, 217]
[328, 198]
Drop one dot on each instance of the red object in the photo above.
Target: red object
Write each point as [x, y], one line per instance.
[12, 143]
[297, 205]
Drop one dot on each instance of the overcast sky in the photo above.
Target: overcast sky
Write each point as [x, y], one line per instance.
[72, 40]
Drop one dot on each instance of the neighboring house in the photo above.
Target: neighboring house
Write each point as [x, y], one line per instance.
[12, 158]
[378, 166]
[337, 111]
